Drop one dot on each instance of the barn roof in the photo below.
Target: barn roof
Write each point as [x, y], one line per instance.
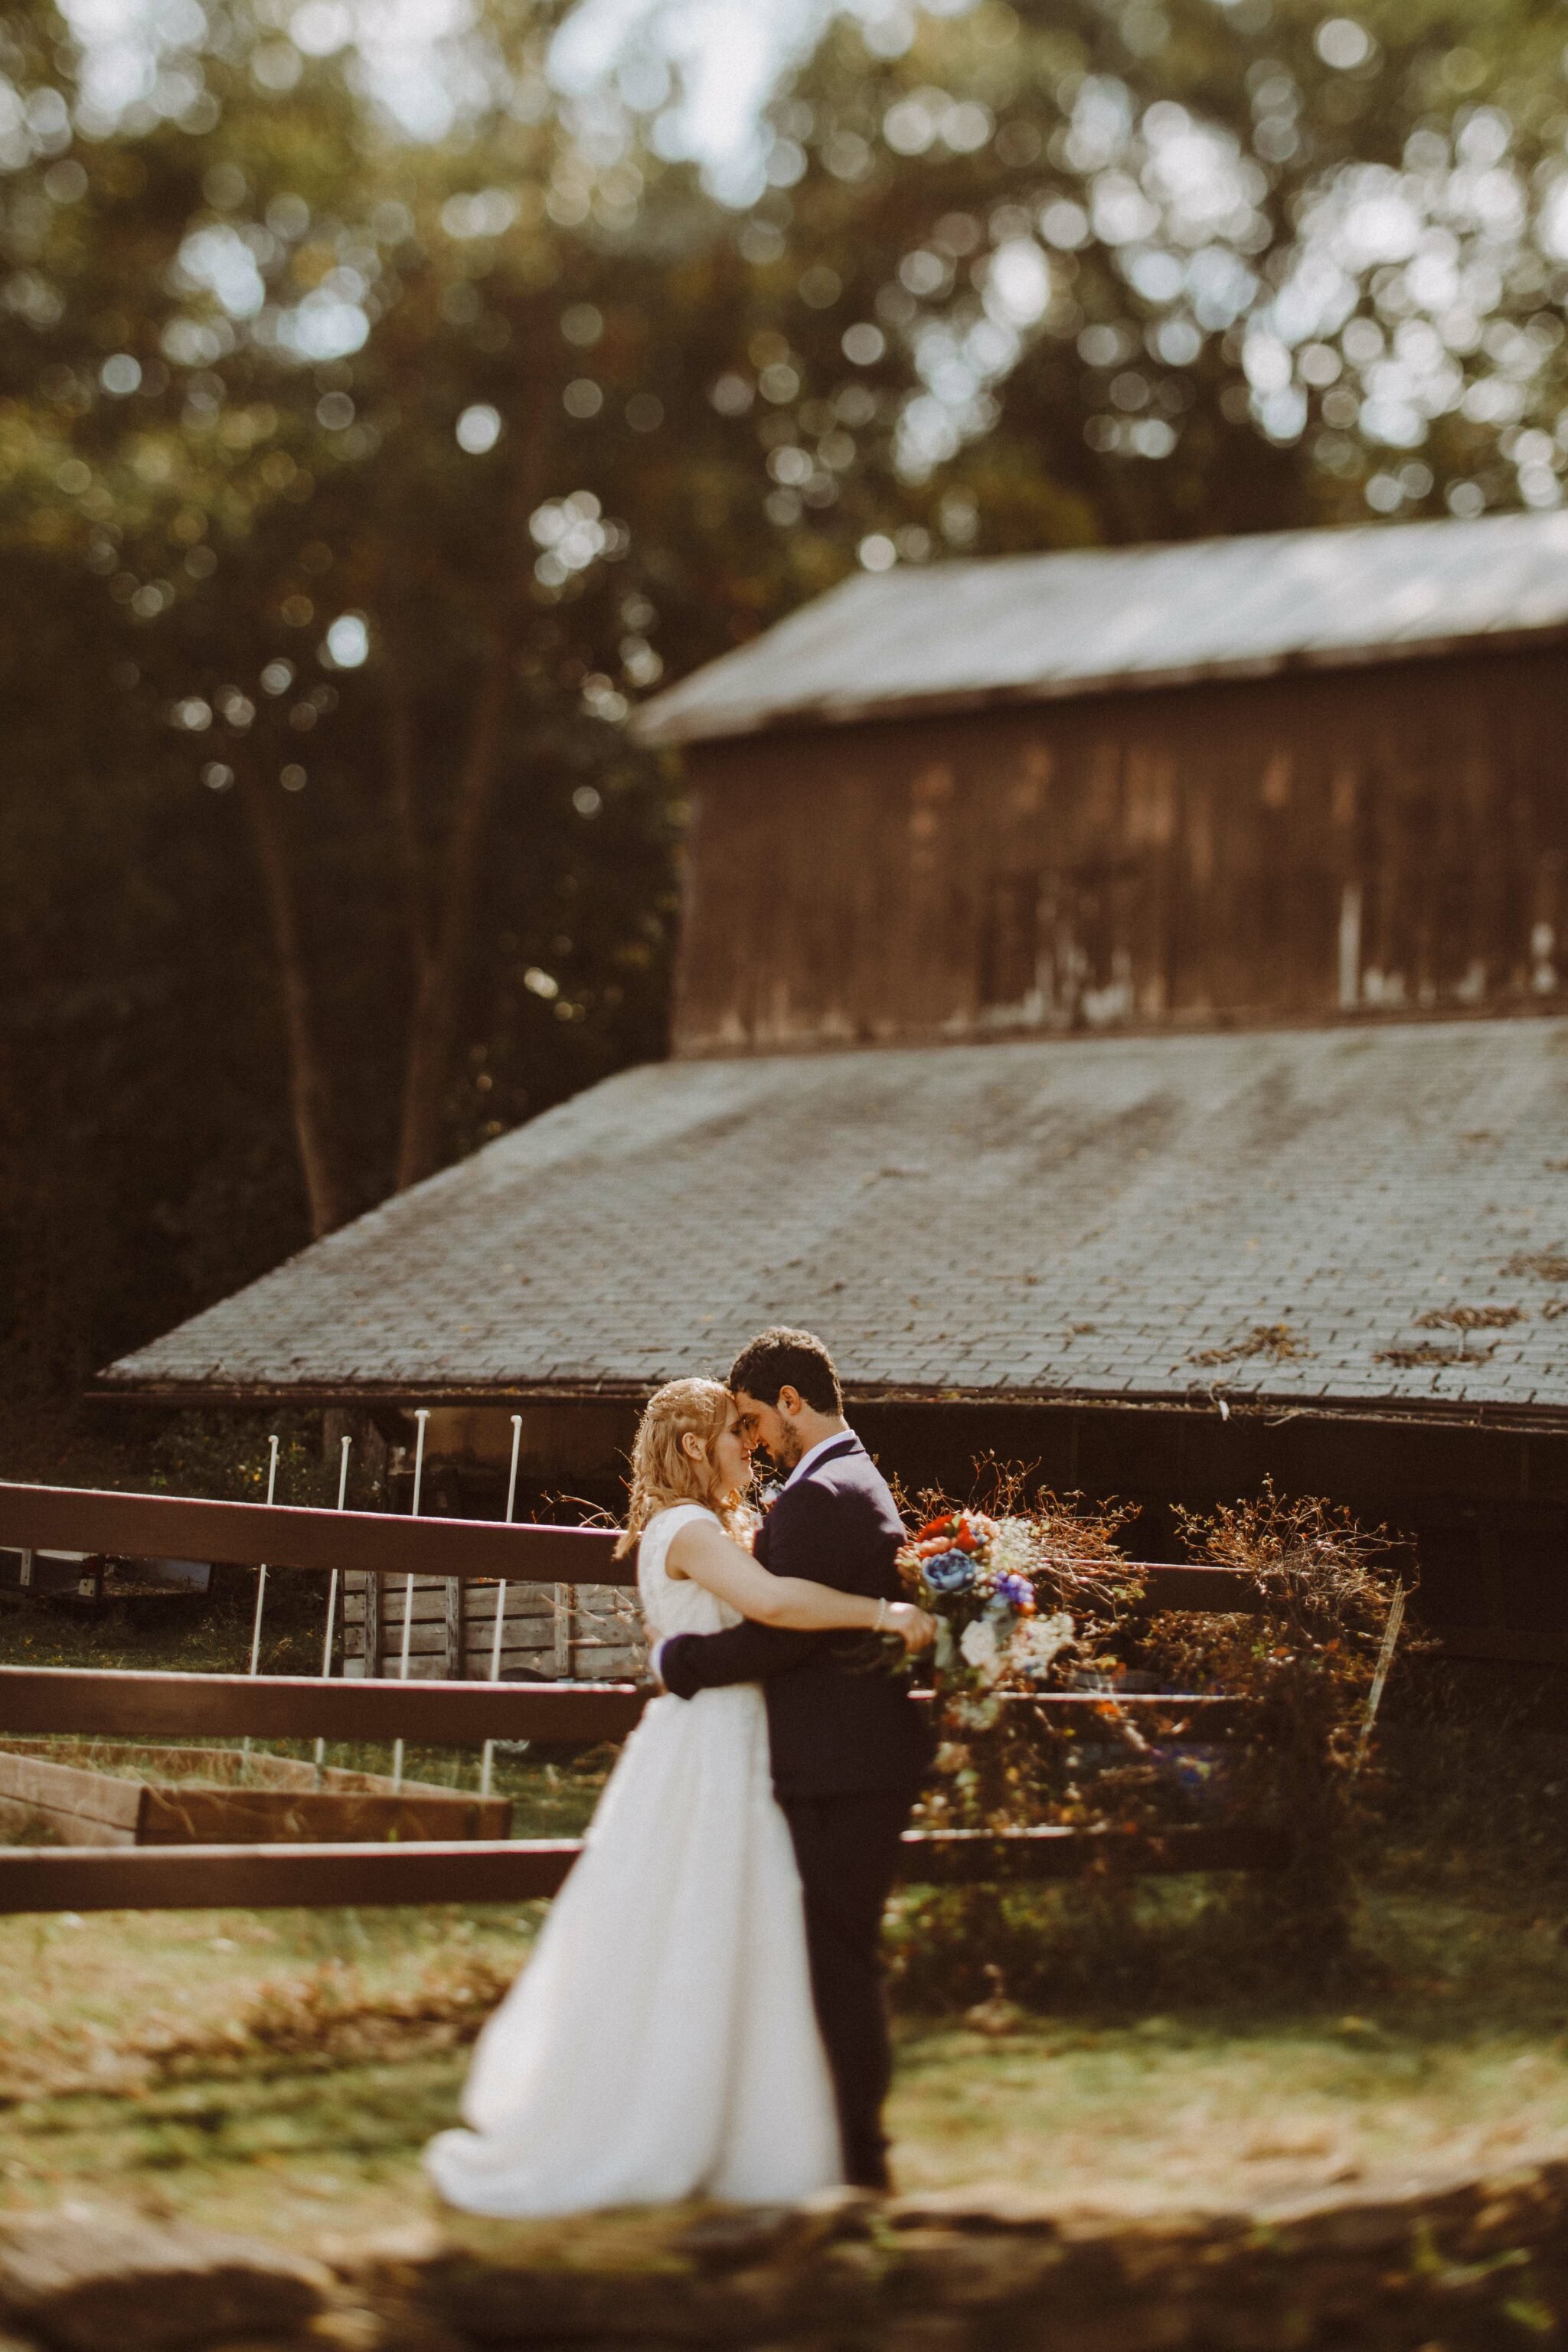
[1027, 628]
[1279, 1212]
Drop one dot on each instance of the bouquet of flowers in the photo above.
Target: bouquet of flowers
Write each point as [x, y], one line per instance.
[980, 1578]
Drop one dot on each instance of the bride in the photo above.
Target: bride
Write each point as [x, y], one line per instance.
[661, 2042]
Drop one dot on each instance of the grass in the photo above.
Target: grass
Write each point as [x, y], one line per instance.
[280, 2072]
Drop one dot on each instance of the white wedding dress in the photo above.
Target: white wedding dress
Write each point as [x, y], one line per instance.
[660, 2043]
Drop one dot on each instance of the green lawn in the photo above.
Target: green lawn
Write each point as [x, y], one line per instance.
[280, 2072]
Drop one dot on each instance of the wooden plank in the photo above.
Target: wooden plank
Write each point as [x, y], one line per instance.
[379, 1544]
[214, 1765]
[23, 1820]
[262, 1877]
[67, 1789]
[452, 1665]
[430, 1606]
[375, 1543]
[228, 1767]
[301, 1707]
[983, 1857]
[196, 1816]
[110, 1703]
[372, 1646]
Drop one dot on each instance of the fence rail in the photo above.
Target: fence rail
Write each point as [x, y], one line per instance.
[126, 1705]
[145, 1707]
[377, 1543]
[117, 1702]
[270, 1877]
[279, 1535]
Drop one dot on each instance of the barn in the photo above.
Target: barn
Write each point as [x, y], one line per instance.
[1283, 778]
[1119, 1006]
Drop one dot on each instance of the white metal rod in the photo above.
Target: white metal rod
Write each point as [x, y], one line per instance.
[261, 1578]
[488, 1766]
[422, 1416]
[261, 1574]
[332, 1603]
[1385, 1660]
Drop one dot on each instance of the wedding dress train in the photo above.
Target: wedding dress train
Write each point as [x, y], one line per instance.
[661, 2041]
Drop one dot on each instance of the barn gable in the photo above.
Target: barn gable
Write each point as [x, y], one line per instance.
[1021, 628]
[1281, 778]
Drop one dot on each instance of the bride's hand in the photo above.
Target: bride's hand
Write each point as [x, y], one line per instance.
[915, 1627]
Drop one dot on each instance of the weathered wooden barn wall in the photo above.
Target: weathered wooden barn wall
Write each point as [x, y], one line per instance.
[1387, 838]
[587, 1632]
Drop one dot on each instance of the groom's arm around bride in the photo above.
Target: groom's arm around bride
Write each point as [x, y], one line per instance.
[849, 1746]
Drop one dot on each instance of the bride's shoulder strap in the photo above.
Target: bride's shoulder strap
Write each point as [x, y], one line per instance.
[662, 1529]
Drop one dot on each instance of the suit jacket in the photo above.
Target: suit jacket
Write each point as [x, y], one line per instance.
[837, 1721]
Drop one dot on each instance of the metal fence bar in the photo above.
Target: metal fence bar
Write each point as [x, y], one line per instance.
[332, 1602]
[423, 1418]
[487, 1766]
[261, 1577]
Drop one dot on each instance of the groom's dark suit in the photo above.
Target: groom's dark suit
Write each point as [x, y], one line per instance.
[849, 1749]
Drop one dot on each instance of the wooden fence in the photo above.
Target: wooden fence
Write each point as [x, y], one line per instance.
[36, 1700]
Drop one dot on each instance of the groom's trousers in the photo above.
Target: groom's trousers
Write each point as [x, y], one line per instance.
[846, 1848]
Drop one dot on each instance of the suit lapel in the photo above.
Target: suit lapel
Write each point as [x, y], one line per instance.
[837, 1452]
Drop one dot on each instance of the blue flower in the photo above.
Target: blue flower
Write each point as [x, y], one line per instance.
[1013, 1589]
[950, 1572]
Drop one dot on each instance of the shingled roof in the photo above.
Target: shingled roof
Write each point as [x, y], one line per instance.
[1031, 628]
[1279, 1214]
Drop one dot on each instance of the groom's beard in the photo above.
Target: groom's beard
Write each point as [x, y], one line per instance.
[787, 1452]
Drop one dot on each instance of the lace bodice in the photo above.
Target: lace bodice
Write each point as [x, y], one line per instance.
[673, 1604]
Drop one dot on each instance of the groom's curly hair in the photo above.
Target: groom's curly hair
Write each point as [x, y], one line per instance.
[779, 1358]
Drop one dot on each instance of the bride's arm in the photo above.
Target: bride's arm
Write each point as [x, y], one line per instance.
[708, 1557]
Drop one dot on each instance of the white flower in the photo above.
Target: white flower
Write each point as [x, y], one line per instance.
[1015, 1547]
[1038, 1640]
[981, 1649]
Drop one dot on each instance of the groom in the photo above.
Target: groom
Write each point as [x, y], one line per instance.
[848, 1747]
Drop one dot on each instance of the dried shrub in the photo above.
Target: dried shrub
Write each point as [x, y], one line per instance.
[1301, 1664]
[333, 2012]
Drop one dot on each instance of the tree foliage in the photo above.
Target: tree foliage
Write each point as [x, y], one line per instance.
[358, 471]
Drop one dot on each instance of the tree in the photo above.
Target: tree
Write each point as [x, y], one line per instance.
[355, 481]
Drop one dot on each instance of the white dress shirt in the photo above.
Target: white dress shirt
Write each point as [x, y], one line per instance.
[809, 1456]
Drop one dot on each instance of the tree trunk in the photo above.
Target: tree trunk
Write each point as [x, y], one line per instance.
[309, 1093]
[433, 1027]
[402, 773]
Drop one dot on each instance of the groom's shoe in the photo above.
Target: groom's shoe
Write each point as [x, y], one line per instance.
[871, 2173]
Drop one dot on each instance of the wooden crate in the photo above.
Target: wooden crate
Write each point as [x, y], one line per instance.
[565, 1632]
[102, 1792]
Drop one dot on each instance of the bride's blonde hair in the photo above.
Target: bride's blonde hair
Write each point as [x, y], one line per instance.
[663, 1472]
